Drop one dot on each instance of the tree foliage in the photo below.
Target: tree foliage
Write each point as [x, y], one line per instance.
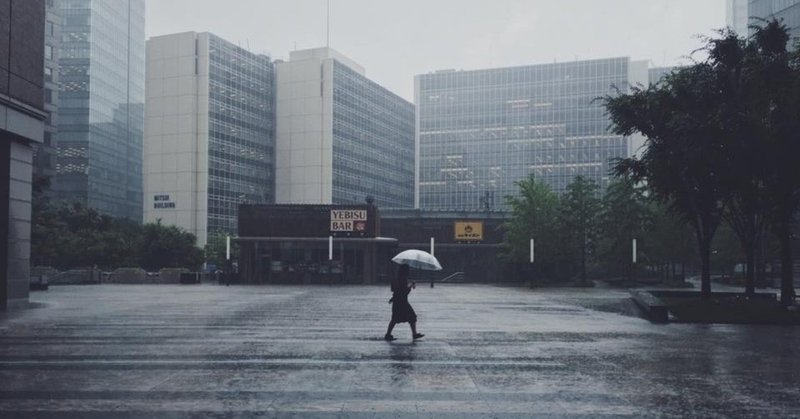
[578, 214]
[722, 137]
[215, 249]
[71, 235]
[168, 247]
[534, 216]
[625, 215]
[581, 230]
[683, 149]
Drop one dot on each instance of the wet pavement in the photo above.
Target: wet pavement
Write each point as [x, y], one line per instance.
[148, 351]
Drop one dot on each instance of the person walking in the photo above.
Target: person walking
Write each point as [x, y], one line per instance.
[402, 311]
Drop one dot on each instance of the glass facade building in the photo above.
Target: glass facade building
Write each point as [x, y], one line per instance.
[741, 13]
[209, 133]
[373, 142]
[658, 73]
[241, 132]
[44, 154]
[481, 131]
[340, 137]
[101, 105]
[786, 10]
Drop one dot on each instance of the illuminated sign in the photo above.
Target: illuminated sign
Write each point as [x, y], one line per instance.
[468, 230]
[348, 220]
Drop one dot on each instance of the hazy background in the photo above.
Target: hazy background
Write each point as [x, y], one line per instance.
[395, 40]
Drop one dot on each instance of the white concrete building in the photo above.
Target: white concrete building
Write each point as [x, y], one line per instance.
[209, 137]
[340, 136]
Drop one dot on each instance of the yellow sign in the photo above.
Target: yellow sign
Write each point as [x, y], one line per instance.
[469, 230]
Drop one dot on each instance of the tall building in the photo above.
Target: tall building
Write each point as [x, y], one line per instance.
[22, 114]
[209, 133]
[101, 105]
[340, 136]
[655, 74]
[44, 155]
[741, 13]
[737, 16]
[478, 132]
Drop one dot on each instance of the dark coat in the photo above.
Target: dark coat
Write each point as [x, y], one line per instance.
[401, 309]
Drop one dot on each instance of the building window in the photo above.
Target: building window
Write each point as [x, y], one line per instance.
[48, 74]
[48, 52]
[48, 28]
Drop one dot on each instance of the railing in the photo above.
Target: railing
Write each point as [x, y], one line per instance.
[456, 277]
[75, 276]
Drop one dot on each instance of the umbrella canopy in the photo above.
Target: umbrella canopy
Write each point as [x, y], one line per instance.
[418, 259]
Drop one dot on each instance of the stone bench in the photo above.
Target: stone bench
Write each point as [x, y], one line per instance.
[654, 308]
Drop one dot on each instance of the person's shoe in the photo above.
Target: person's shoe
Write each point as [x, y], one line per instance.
[389, 338]
[418, 336]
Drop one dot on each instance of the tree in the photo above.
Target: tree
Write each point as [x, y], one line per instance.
[731, 59]
[668, 241]
[70, 235]
[46, 229]
[625, 215]
[216, 246]
[779, 71]
[533, 216]
[726, 251]
[683, 152]
[579, 209]
[168, 247]
[759, 84]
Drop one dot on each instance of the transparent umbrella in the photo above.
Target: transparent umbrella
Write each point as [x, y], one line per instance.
[418, 259]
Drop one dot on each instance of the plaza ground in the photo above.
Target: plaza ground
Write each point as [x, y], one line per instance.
[134, 351]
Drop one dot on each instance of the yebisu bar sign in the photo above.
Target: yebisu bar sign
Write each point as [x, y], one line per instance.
[295, 220]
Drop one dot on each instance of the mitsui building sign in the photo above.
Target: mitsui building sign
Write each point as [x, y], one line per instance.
[307, 221]
[163, 202]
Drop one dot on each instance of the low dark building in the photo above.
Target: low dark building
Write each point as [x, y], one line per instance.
[466, 243]
[292, 243]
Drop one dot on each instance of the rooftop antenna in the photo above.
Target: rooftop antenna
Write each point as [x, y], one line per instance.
[328, 26]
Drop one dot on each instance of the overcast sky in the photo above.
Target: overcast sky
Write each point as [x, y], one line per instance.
[395, 40]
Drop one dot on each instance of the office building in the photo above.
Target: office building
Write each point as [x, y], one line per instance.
[655, 74]
[101, 105]
[340, 136]
[478, 132]
[44, 154]
[209, 133]
[737, 16]
[21, 126]
[355, 243]
[742, 13]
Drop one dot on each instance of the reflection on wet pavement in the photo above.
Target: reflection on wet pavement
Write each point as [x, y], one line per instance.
[173, 351]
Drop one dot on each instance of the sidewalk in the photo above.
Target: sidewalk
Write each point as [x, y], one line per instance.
[245, 351]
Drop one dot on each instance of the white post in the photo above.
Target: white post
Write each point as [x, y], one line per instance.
[227, 247]
[531, 250]
[330, 247]
[432, 246]
[634, 250]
